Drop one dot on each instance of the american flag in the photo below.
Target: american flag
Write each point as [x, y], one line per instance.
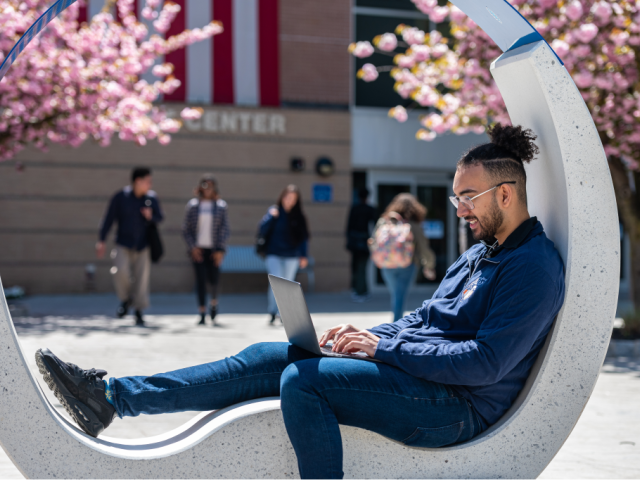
[239, 66]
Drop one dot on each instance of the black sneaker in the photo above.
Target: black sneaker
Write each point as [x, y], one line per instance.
[139, 319]
[202, 317]
[81, 392]
[213, 311]
[123, 309]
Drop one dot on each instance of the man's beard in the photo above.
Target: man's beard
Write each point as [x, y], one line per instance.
[488, 225]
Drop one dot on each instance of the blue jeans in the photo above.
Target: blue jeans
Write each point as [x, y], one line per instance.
[317, 395]
[285, 267]
[398, 281]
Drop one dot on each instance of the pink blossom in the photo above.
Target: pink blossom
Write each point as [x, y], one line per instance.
[420, 53]
[439, 14]
[574, 10]
[368, 72]
[405, 90]
[361, 49]
[597, 55]
[620, 38]
[399, 113]
[439, 50]
[404, 61]
[191, 113]
[425, 135]
[457, 15]
[78, 82]
[386, 42]
[425, 6]
[413, 35]
[163, 70]
[426, 96]
[602, 10]
[582, 51]
[604, 82]
[586, 32]
[557, 22]
[583, 79]
[561, 47]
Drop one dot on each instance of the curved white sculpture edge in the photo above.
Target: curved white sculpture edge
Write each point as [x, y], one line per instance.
[570, 191]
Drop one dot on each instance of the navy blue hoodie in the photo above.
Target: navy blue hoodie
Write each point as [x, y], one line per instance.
[483, 328]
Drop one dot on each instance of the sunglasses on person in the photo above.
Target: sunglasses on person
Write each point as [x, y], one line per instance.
[468, 202]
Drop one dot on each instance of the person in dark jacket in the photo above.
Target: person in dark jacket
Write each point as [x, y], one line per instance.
[361, 216]
[446, 372]
[206, 230]
[133, 208]
[285, 228]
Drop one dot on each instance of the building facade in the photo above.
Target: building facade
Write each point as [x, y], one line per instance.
[278, 86]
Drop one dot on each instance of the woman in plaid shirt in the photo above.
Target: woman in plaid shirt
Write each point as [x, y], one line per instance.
[206, 230]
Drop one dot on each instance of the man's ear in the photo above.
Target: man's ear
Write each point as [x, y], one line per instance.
[506, 195]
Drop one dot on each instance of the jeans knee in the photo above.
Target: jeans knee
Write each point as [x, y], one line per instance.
[290, 380]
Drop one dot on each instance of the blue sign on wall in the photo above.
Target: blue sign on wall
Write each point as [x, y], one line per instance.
[433, 229]
[322, 193]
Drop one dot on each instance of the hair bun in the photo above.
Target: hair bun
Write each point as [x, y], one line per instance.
[515, 140]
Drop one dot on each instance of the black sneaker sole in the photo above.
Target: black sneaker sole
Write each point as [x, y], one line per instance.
[83, 415]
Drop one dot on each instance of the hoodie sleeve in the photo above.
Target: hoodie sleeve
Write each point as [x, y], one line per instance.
[188, 224]
[525, 302]
[109, 217]
[157, 215]
[223, 228]
[390, 330]
[267, 221]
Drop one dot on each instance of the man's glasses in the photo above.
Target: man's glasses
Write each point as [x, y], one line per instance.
[468, 202]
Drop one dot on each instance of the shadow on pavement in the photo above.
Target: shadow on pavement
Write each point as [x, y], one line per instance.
[104, 305]
[80, 326]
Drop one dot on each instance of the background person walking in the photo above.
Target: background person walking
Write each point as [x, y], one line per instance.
[206, 230]
[398, 244]
[361, 216]
[133, 208]
[285, 229]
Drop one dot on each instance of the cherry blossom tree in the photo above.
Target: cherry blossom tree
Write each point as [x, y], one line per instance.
[448, 76]
[78, 82]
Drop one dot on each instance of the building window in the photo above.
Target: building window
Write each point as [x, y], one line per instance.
[375, 17]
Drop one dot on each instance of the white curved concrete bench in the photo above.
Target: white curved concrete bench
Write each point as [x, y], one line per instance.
[570, 190]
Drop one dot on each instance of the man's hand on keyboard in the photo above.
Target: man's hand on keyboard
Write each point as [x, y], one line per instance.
[348, 339]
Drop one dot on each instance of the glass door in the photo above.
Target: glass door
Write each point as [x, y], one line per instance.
[435, 227]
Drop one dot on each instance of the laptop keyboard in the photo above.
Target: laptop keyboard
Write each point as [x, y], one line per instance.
[327, 351]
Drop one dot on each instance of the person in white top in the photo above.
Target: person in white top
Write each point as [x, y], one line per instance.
[206, 230]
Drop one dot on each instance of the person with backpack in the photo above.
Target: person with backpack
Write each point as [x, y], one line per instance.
[398, 244]
[285, 235]
[206, 230]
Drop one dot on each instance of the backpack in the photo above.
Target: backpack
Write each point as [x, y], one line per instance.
[392, 243]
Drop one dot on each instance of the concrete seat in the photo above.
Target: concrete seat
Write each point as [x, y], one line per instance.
[570, 191]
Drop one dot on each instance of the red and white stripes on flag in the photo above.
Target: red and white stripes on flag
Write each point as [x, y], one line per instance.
[239, 66]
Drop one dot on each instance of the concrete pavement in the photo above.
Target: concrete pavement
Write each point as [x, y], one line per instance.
[81, 329]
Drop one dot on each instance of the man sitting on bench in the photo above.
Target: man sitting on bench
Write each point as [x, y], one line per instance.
[450, 369]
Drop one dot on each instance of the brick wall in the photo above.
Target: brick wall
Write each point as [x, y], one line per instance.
[314, 62]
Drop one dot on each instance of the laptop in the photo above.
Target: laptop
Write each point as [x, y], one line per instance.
[297, 320]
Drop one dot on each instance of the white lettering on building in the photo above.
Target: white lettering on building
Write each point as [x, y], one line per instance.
[221, 121]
